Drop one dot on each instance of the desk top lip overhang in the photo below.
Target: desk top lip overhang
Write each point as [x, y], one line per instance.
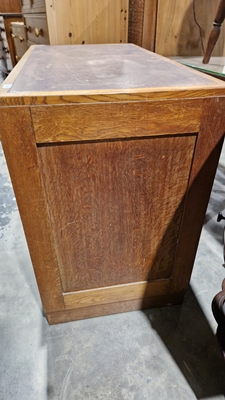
[101, 73]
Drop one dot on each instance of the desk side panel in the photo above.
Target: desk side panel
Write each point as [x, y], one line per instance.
[21, 155]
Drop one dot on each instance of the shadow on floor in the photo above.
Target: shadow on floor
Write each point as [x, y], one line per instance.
[123, 356]
[186, 333]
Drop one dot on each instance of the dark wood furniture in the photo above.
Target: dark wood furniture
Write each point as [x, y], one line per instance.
[218, 303]
[10, 6]
[215, 31]
[112, 152]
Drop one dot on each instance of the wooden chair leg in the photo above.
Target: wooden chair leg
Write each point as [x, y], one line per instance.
[215, 31]
[218, 308]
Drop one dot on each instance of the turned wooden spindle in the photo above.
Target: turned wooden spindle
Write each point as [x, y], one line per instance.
[215, 31]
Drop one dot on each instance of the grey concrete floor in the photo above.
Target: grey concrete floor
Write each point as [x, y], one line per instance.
[164, 353]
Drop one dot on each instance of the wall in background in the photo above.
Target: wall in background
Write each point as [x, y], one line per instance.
[174, 27]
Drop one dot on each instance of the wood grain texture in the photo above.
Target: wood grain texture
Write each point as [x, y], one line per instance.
[136, 20]
[106, 210]
[208, 148]
[142, 23]
[10, 6]
[111, 294]
[111, 121]
[65, 98]
[177, 32]
[87, 21]
[149, 24]
[113, 308]
[21, 155]
[121, 201]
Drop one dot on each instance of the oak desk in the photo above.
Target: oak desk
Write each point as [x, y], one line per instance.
[112, 152]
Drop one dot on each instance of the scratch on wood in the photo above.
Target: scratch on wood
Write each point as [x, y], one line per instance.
[69, 223]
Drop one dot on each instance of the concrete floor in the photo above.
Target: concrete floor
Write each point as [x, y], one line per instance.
[166, 353]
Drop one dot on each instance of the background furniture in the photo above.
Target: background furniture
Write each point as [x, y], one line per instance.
[116, 154]
[215, 31]
[19, 35]
[87, 21]
[7, 41]
[10, 11]
[10, 6]
[34, 13]
[174, 27]
[76, 22]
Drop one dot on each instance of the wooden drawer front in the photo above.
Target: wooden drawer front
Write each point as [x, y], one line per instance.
[33, 6]
[3, 35]
[19, 53]
[6, 54]
[37, 25]
[5, 46]
[2, 28]
[19, 36]
[8, 62]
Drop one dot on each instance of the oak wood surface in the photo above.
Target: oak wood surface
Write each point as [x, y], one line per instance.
[201, 179]
[111, 203]
[122, 201]
[111, 121]
[111, 294]
[92, 97]
[19, 147]
[113, 308]
[87, 21]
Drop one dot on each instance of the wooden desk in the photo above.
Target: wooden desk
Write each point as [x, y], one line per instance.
[112, 152]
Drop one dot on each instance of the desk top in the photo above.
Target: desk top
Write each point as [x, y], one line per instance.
[95, 69]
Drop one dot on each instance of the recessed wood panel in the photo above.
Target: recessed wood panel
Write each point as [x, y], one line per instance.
[115, 208]
[111, 294]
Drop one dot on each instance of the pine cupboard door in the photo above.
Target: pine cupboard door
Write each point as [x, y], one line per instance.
[87, 21]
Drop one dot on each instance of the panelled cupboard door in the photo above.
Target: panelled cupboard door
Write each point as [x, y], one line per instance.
[112, 151]
[115, 217]
[87, 21]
